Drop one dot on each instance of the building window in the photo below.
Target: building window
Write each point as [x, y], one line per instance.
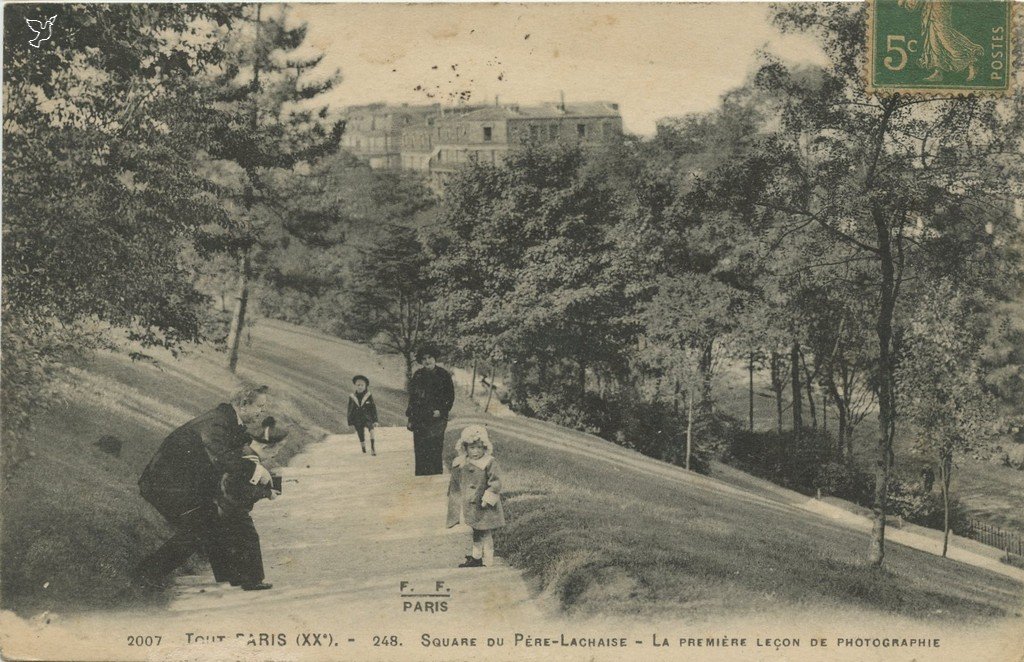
[582, 130]
[487, 134]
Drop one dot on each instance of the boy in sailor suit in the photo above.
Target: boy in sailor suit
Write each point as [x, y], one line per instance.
[362, 412]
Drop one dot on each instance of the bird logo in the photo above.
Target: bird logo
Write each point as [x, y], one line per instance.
[43, 30]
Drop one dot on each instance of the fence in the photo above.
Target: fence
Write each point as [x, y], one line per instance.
[1011, 544]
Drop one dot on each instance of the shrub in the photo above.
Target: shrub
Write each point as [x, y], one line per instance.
[846, 482]
[557, 407]
[655, 430]
[910, 501]
[652, 429]
[792, 463]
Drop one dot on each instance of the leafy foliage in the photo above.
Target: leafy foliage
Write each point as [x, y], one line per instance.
[100, 190]
[523, 267]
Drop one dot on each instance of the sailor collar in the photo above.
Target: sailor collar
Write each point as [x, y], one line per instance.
[366, 396]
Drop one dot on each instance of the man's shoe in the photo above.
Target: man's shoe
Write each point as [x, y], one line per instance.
[261, 586]
[472, 563]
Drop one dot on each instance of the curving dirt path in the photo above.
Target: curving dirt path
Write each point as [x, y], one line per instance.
[350, 541]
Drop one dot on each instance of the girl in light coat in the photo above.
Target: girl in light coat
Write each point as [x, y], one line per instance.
[474, 494]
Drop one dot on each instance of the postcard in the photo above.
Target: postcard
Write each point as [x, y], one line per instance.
[543, 331]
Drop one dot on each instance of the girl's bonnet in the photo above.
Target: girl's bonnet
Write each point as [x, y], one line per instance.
[473, 433]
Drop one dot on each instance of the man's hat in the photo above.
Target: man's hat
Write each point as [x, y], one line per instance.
[360, 377]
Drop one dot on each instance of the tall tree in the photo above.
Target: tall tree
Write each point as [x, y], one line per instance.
[940, 380]
[906, 187]
[522, 266]
[266, 123]
[389, 292]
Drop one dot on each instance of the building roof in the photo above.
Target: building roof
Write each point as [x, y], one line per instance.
[545, 111]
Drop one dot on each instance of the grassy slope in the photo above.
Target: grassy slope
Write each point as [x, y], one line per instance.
[990, 493]
[74, 523]
[676, 550]
[603, 539]
[600, 538]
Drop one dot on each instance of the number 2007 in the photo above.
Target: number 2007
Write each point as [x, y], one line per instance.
[144, 640]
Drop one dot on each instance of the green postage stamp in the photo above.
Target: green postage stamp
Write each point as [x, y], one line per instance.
[940, 46]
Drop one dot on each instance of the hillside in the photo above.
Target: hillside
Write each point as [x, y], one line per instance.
[990, 493]
[598, 529]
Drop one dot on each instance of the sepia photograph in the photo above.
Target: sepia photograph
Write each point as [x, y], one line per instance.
[540, 331]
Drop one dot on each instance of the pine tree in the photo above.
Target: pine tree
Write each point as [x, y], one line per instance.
[265, 125]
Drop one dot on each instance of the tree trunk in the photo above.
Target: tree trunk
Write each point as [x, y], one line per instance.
[796, 382]
[842, 423]
[824, 410]
[777, 386]
[945, 470]
[689, 427]
[472, 381]
[407, 355]
[809, 382]
[886, 400]
[843, 432]
[490, 389]
[238, 318]
[750, 368]
[706, 376]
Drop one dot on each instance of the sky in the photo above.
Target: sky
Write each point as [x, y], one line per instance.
[654, 60]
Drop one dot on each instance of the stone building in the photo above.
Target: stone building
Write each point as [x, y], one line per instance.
[486, 135]
[374, 132]
[436, 141]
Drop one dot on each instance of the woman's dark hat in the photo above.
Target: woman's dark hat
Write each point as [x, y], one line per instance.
[427, 349]
[360, 378]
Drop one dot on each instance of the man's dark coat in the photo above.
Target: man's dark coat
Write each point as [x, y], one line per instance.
[186, 471]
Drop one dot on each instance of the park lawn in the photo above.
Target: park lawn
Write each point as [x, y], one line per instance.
[990, 493]
[603, 540]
